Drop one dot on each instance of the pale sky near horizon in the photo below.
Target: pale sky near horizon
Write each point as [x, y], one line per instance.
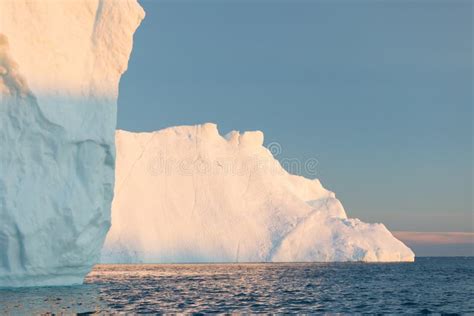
[379, 92]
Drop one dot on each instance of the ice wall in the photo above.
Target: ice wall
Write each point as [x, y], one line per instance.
[60, 66]
[187, 194]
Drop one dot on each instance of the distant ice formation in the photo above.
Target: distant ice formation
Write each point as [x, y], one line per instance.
[187, 194]
[60, 66]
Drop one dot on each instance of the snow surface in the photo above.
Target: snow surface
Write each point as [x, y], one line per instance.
[187, 194]
[60, 66]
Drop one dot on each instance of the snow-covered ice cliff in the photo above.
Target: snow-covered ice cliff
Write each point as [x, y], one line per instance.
[187, 194]
[60, 66]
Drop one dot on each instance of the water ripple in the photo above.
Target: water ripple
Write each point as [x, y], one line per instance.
[439, 285]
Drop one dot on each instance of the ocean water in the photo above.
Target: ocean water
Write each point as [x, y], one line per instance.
[430, 285]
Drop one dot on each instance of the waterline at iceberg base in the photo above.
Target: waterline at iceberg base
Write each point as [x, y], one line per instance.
[188, 194]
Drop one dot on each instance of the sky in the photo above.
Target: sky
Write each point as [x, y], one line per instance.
[379, 92]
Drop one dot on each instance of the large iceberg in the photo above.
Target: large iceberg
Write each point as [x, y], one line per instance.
[187, 194]
[60, 66]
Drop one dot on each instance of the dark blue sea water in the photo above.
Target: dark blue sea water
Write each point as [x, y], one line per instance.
[430, 285]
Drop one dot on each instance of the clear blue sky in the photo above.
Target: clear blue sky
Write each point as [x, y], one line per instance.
[380, 92]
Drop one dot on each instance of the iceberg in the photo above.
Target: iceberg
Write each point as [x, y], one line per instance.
[183, 194]
[60, 66]
[187, 194]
